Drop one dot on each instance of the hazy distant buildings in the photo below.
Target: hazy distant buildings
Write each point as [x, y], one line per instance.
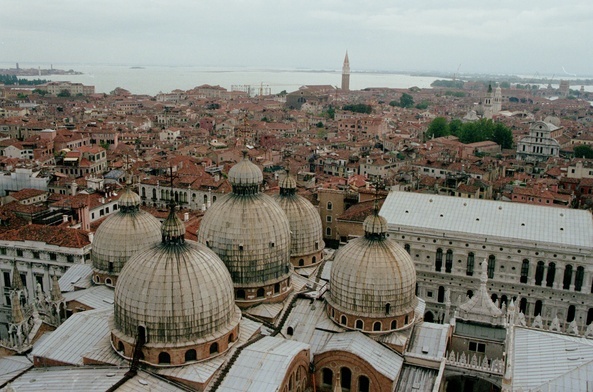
[55, 88]
[545, 140]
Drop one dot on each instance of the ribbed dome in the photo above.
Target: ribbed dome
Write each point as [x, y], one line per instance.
[305, 224]
[371, 272]
[245, 173]
[251, 234]
[180, 291]
[288, 183]
[129, 199]
[123, 234]
[375, 224]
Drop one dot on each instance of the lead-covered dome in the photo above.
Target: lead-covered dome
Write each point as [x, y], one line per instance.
[306, 231]
[120, 236]
[373, 282]
[179, 295]
[251, 234]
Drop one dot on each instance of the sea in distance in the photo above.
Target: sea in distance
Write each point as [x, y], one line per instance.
[154, 79]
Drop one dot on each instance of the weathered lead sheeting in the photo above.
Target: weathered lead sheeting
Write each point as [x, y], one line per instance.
[12, 366]
[487, 218]
[68, 379]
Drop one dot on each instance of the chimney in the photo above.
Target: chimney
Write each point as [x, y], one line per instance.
[91, 237]
[64, 218]
[185, 216]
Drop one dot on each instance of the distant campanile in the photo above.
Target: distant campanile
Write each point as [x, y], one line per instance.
[346, 74]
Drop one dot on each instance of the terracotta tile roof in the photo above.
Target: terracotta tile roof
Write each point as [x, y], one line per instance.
[68, 238]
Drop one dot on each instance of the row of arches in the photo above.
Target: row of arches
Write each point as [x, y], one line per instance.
[167, 194]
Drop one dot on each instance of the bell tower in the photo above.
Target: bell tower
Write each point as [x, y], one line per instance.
[346, 74]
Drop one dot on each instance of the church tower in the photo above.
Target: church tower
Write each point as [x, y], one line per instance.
[346, 74]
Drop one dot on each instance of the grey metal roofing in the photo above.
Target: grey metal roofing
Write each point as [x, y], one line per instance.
[12, 366]
[416, 379]
[79, 334]
[429, 340]
[145, 382]
[60, 379]
[547, 361]
[487, 218]
[78, 275]
[96, 297]
[201, 372]
[385, 361]
[261, 367]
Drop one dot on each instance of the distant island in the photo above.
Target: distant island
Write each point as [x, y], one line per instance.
[37, 71]
[136, 67]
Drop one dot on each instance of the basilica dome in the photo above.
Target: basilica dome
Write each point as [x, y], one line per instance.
[306, 231]
[373, 282]
[251, 234]
[120, 236]
[178, 295]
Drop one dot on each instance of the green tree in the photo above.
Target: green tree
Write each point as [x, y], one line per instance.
[455, 127]
[406, 101]
[422, 105]
[359, 108]
[502, 136]
[583, 151]
[64, 93]
[40, 92]
[437, 128]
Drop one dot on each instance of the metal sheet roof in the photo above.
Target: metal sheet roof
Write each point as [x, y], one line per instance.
[81, 333]
[417, 379]
[385, 361]
[144, 382]
[487, 218]
[548, 361]
[429, 340]
[262, 366]
[59, 379]
[10, 367]
[78, 275]
[96, 297]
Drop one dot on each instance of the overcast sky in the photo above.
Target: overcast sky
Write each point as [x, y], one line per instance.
[518, 36]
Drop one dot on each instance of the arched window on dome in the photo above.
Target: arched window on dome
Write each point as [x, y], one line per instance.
[190, 355]
[164, 358]
[377, 326]
[359, 324]
[344, 320]
[214, 348]
[364, 384]
[260, 292]
[290, 331]
[393, 324]
[346, 378]
[277, 288]
[231, 338]
[327, 377]
[240, 294]
[314, 260]
[387, 308]
[108, 281]
[120, 347]
[406, 320]
[301, 262]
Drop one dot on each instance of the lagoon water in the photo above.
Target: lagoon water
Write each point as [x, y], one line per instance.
[154, 79]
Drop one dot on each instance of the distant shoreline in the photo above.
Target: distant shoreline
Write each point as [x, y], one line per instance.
[37, 72]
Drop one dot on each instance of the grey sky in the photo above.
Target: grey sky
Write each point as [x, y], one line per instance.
[524, 37]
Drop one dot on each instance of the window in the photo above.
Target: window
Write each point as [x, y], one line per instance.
[328, 232]
[70, 258]
[387, 308]
[469, 271]
[190, 355]
[449, 261]
[329, 205]
[164, 358]
[578, 279]
[343, 320]
[567, 277]
[327, 377]
[441, 295]
[524, 271]
[345, 378]
[491, 266]
[19, 252]
[407, 248]
[359, 324]
[39, 280]
[52, 256]
[260, 292]
[477, 347]
[571, 313]
[539, 273]
[328, 218]
[393, 324]
[439, 260]
[7, 281]
[551, 274]
[2, 251]
[214, 348]
[523, 305]
[364, 384]
[537, 311]
[24, 279]
[377, 326]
